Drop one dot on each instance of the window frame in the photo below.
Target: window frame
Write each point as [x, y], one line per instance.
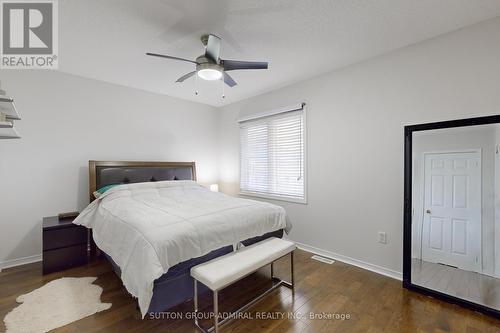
[283, 198]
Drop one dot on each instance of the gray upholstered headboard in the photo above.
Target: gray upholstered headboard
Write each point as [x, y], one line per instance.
[102, 173]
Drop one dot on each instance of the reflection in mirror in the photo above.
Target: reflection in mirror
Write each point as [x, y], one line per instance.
[456, 212]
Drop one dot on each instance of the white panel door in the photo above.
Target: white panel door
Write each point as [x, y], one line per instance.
[451, 232]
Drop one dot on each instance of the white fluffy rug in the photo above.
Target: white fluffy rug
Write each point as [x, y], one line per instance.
[56, 304]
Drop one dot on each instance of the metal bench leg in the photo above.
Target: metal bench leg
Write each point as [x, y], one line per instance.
[195, 301]
[292, 272]
[216, 311]
[225, 320]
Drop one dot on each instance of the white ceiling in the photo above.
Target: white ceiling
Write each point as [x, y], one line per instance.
[106, 39]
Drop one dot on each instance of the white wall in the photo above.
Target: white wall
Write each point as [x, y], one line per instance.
[68, 120]
[355, 136]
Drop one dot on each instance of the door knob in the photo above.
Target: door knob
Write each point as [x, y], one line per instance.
[428, 211]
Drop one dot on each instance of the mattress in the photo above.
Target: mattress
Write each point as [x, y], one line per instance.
[148, 228]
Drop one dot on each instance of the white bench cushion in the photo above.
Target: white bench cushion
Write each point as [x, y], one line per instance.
[220, 272]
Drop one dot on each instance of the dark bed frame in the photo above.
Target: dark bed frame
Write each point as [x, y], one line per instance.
[102, 173]
[175, 286]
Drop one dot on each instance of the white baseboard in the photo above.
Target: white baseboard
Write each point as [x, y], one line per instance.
[351, 261]
[20, 261]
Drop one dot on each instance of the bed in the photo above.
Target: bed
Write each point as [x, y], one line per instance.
[158, 223]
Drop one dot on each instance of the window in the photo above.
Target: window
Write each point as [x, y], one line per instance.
[272, 156]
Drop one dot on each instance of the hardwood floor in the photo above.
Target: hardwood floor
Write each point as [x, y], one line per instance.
[374, 303]
[475, 287]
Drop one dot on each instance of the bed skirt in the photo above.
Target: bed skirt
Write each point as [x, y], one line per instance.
[176, 286]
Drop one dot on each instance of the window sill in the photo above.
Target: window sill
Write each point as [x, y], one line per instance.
[273, 197]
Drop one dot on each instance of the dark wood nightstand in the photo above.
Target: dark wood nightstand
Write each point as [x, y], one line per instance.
[65, 244]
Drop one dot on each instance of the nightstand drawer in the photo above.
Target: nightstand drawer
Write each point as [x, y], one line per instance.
[57, 238]
[63, 258]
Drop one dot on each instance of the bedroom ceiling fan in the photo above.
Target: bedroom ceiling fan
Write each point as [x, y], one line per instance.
[210, 66]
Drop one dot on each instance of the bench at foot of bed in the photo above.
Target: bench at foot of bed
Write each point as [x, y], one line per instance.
[221, 272]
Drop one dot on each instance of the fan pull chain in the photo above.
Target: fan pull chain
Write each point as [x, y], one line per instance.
[196, 84]
[223, 93]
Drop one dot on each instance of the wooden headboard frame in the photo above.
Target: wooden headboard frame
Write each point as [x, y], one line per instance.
[93, 165]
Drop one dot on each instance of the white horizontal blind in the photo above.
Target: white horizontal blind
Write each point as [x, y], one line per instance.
[272, 156]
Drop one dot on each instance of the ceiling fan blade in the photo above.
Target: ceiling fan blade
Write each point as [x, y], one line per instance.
[185, 76]
[170, 57]
[213, 48]
[230, 65]
[229, 80]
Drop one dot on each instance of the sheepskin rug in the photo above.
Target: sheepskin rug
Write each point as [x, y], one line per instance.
[56, 304]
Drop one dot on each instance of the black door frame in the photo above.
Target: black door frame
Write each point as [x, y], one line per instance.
[407, 236]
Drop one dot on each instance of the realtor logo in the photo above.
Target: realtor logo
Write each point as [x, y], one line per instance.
[29, 34]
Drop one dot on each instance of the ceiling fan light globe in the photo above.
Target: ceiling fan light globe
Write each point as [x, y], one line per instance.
[209, 74]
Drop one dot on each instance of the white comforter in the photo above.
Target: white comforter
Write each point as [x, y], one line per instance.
[147, 228]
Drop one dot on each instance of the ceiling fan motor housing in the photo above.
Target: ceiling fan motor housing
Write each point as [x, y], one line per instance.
[209, 65]
[208, 69]
[205, 60]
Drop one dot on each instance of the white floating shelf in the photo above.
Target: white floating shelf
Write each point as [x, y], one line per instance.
[8, 132]
[8, 107]
[6, 124]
